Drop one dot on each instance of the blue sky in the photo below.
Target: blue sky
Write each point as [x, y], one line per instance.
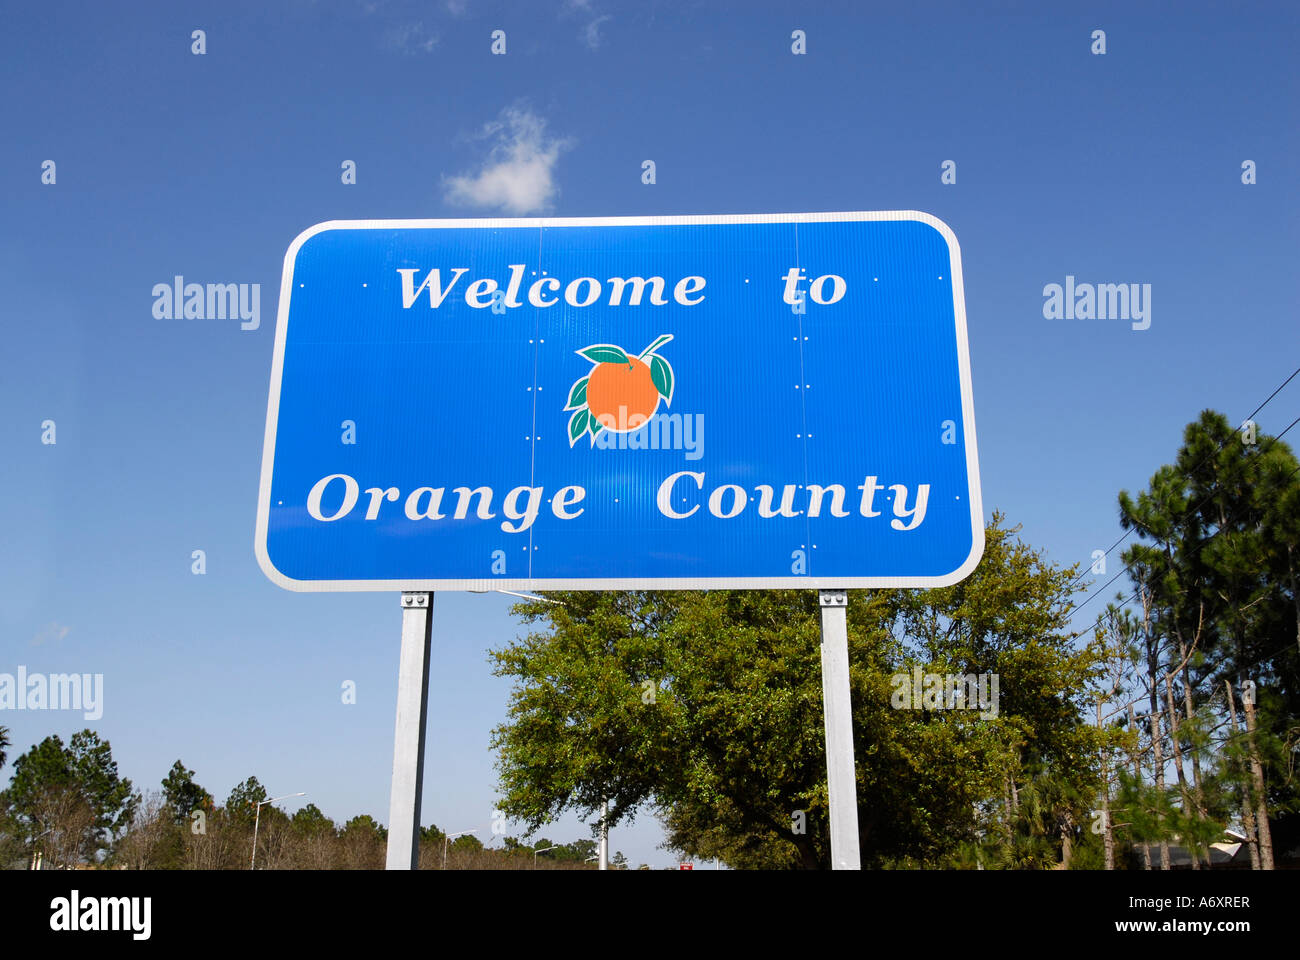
[1122, 168]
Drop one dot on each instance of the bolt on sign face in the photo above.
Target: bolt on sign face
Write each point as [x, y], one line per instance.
[767, 400]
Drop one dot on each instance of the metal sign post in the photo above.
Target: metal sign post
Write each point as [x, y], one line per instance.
[408, 740]
[841, 773]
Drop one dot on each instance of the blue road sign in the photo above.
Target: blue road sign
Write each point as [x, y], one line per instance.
[770, 401]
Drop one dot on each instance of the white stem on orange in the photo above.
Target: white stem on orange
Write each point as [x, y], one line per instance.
[658, 343]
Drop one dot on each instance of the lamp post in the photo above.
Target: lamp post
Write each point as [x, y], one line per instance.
[257, 822]
[543, 850]
[446, 840]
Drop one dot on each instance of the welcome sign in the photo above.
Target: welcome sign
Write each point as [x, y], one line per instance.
[764, 401]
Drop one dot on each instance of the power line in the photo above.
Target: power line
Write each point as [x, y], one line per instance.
[1203, 462]
[1211, 699]
[1079, 606]
[1273, 394]
[1124, 536]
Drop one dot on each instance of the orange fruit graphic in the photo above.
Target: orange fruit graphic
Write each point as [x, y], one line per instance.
[622, 396]
[621, 393]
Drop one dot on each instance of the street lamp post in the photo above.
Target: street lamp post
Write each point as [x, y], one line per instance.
[543, 850]
[257, 822]
[446, 840]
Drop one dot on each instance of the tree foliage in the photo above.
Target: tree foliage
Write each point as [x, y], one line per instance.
[706, 708]
[244, 800]
[1215, 566]
[182, 795]
[70, 797]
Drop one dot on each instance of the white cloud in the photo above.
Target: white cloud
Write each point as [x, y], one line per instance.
[51, 631]
[518, 175]
[412, 38]
[590, 33]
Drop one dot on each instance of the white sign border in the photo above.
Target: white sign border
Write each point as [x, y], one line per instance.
[636, 583]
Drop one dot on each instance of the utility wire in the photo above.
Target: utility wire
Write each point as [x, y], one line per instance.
[1079, 606]
[1204, 461]
[1214, 698]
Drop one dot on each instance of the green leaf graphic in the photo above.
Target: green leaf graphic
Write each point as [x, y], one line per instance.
[578, 395]
[578, 425]
[661, 374]
[595, 426]
[604, 353]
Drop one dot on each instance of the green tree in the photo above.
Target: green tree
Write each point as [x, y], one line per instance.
[431, 835]
[365, 825]
[72, 792]
[242, 804]
[311, 821]
[577, 851]
[153, 841]
[571, 725]
[706, 708]
[467, 843]
[1010, 618]
[362, 842]
[11, 850]
[1216, 569]
[513, 846]
[182, 795]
